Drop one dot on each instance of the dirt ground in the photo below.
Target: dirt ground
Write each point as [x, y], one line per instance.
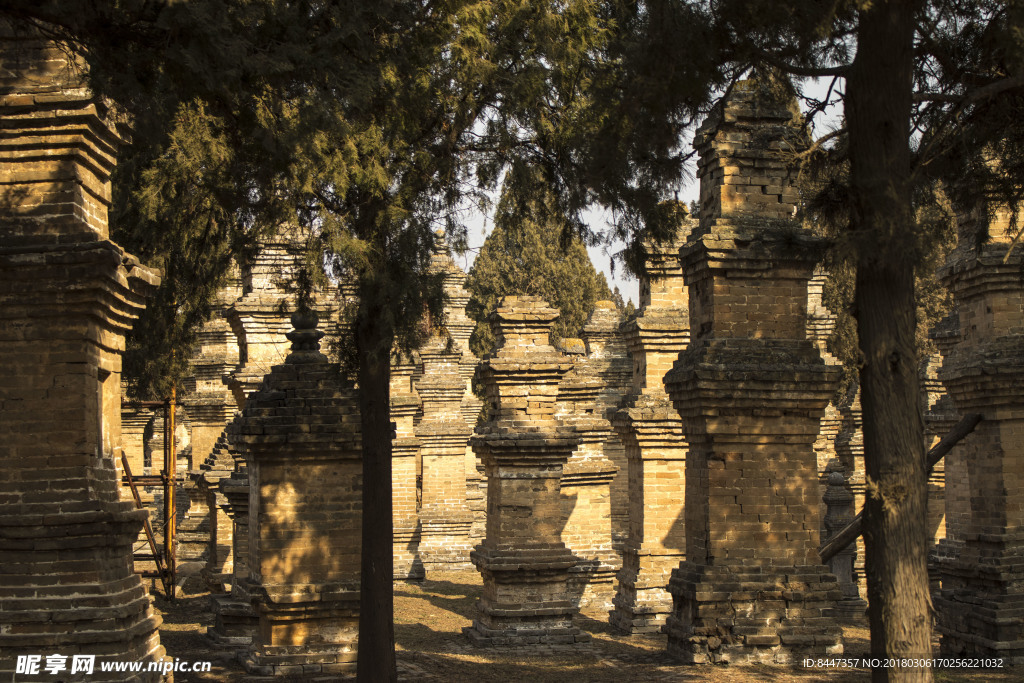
[430, 615]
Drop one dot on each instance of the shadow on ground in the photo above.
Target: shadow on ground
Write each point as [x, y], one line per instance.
[430, 616]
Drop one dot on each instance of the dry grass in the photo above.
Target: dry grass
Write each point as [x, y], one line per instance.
[430, 616]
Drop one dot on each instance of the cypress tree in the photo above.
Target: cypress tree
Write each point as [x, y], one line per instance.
[526, 254]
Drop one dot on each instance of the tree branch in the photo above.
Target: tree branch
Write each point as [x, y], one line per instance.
[812, 72]
[851, 531]
[983, 93]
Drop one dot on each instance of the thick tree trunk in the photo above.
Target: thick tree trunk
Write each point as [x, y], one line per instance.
[895, 531]
[374, 337]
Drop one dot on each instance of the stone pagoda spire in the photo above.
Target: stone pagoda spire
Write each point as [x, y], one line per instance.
[751, 389]
[68, 297]
[460, 328]
[525, 565]
[301, 433]
[982, 592]
[655, 444]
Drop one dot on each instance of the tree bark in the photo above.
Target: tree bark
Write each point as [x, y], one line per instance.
[878, 108]
[374, 337]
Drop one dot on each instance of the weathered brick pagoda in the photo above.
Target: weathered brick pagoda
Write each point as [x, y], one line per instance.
[981, 604]
[751, 390]
[655, 444]
[68, 296]
[524, 563]
[444, 517]
[302, 444]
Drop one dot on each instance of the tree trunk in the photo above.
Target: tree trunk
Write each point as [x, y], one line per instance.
[895, 528]
[374, 337]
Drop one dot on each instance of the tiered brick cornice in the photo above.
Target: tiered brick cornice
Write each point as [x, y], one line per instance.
[302, 442]
[655, 445]
[751, 390]
[68, 296]
[981, 605]
[524, 563]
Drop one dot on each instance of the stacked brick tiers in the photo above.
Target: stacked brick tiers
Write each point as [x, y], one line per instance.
[460, 327]
[525, 565]
[751, 389]
[302, 443]
[218, 465]
[981, 606]
[586, 483]
[608, 358]
[210, 404]
[444, 517]
[205, 395]
[68, 295]
[259, 319]
[405, 467]
[656, 449]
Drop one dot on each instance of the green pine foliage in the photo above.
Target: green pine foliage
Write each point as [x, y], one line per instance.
[370, 123]
[526, 254]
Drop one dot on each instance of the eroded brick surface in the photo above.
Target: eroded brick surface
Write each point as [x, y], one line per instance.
[981, 603]
[751, 390]
[68, 296]
[524, 564]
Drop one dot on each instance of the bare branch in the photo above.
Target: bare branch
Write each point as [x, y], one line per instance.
[812, 72]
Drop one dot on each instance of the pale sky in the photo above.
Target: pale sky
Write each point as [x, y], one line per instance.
[479, 226]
